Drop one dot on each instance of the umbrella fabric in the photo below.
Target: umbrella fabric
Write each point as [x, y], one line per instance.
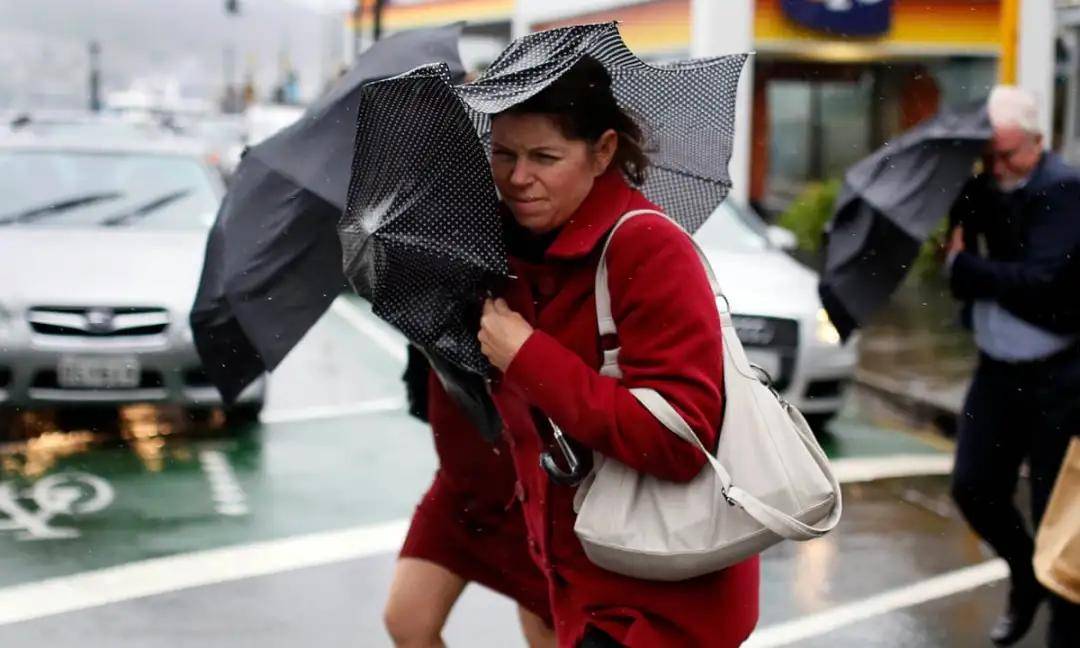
[425, 240]
[889, 205]
[421, 232]
[686, 109]
[273, 261]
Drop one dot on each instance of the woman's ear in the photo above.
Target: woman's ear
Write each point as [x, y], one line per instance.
[604, 151]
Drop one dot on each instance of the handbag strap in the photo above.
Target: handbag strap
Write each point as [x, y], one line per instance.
[769, 516]
[605, 321]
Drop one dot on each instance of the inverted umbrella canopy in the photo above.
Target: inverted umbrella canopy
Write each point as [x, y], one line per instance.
[889, 205]
[273, 259]
[685, 109]
[421, 233]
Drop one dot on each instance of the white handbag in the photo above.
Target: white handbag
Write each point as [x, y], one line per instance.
[768, 481]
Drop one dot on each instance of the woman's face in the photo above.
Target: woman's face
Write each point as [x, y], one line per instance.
[541, 175]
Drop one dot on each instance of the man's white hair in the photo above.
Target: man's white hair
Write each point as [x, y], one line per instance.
[1013, 106]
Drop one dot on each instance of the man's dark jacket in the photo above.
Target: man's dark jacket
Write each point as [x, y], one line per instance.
[1031, 258]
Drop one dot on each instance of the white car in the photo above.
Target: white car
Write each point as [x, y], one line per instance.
[102, 234]
[777, 312]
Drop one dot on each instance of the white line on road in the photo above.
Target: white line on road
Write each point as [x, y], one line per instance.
[955, 582]
[161, 575]
[226, 492]
[860, 469]
[388, 340]
[20, 603]
[373, 406]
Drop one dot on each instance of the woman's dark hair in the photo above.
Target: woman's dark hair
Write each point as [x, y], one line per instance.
[583, 106]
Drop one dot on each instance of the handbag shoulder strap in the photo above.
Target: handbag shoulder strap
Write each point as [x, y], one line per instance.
[772, 518]
[769, 516]
[604, 319]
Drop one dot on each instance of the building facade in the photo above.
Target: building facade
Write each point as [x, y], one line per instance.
[832, 81]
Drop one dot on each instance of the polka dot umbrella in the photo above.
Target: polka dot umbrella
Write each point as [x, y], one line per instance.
[421, 234]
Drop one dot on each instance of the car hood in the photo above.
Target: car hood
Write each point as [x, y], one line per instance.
[768, 283]
[100, 267]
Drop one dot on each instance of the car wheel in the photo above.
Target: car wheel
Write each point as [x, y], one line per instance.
[243, 414]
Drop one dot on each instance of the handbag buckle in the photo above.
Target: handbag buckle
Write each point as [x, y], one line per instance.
[766, 379]
[724, 492]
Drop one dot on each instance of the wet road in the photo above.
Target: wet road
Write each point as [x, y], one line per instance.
[146, 529]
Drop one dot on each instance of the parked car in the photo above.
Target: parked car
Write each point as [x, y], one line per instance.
[102, 236]
[777, 312]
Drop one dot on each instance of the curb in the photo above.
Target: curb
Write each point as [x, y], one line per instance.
[935, 399]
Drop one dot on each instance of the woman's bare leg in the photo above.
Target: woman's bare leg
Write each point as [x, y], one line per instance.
[537, 633]
[421, 597]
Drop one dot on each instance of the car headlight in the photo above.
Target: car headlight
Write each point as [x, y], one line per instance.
[825, 332]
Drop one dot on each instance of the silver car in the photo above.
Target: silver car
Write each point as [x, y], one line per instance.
[777, 312]
[102, 235]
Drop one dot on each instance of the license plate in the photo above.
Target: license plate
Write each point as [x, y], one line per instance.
[96, 372]
[767, 360]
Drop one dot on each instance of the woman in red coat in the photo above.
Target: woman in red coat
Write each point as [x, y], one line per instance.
[563, 161]
[467, 528]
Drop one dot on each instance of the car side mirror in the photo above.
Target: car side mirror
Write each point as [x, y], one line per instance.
[781, 238]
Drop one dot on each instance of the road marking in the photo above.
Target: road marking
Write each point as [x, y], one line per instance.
[162, 575]
[20, 603]
[63, 493]
[374, 406]
[861, 469]
[938, 587]
[229, 498]
[386, 338]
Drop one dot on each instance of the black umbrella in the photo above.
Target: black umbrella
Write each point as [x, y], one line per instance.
[686, 109]
[273, 259]
[421, 232]
[889, 205]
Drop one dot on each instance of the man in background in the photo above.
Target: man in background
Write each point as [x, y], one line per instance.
[1012, 262]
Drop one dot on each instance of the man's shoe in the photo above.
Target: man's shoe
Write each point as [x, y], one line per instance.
[1011, 626]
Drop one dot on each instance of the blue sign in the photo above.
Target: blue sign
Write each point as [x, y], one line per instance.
[841, 17]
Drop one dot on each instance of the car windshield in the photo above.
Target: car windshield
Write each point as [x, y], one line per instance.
[65, 189]
[733, 230]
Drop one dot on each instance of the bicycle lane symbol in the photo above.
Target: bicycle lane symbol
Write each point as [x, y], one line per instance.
[29, 511]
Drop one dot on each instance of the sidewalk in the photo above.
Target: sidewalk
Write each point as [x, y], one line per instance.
[915, 355]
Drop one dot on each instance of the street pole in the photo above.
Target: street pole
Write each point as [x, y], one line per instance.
[232, 93]
[377, 22]
[1010, 28]
[1028, 34]
[519, 23]
[358, 28]
[1035, 67]
[718, 28]
[95, 76]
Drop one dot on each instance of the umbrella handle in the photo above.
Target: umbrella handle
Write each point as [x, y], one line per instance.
[576, 473]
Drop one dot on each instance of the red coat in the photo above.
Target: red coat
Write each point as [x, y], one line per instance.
[467, 521]
[669, 332]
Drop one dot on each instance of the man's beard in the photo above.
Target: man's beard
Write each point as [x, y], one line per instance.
[1009, 184]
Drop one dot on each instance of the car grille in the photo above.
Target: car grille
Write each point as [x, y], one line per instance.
[775, 334]
[48, 380]
[98, 322]
[197, 378]
[825, 389]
